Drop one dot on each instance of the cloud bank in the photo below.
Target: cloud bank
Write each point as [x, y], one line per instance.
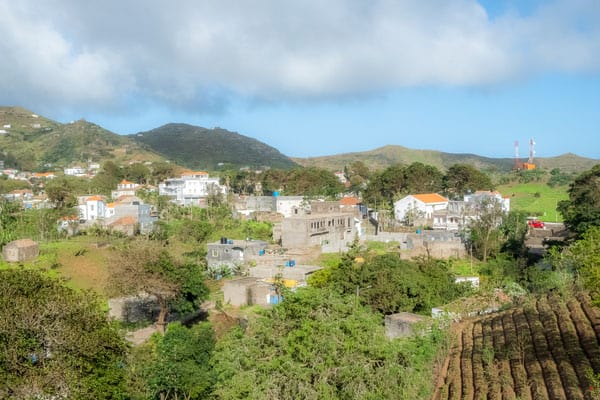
[188, 53]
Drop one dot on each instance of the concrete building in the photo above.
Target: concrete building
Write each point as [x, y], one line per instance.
[192, 188]
[331, 232]
[247, 291]
[125, 188]
[133, 207]
[20, 250]
[297, 273]
[233, 254]
[289, 206]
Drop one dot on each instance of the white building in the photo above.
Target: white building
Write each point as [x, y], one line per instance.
[124, 188]
[191, 188]
[484, 195]
[75, 171]
[419, 208]
[92, 207]
[289, 206]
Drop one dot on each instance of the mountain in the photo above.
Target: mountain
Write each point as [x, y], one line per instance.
[389, 155]
[33, 142]
[201, 148]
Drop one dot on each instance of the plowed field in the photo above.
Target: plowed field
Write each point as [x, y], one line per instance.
[544, 350]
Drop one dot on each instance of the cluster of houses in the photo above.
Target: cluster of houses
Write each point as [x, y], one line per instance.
[436, 211]
[301, 228]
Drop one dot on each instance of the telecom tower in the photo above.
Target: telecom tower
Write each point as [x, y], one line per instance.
[529, 165]
[517, 165]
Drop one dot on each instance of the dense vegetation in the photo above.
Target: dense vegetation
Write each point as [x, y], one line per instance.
[211, 149]
[56, 342]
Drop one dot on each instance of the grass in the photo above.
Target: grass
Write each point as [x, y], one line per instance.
[465, 267]
[78, 260]
[537, 199]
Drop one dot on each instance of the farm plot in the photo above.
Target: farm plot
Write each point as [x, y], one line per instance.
[544, 350]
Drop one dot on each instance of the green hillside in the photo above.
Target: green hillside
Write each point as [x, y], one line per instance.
[385, 156]
[536, 199]
[211, 149]
[32, 142]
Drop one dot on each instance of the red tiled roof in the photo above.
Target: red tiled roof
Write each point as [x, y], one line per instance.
[430, 198]
[94, 198]
[186, 173]
[128, 220]
[349, 201]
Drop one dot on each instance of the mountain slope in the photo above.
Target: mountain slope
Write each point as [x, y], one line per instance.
[389, 155]
[32, 142]
[201, 148]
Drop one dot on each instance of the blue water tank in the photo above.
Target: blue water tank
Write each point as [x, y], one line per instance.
[275, 194]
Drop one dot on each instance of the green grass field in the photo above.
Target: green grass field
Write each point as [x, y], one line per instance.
[537, 199]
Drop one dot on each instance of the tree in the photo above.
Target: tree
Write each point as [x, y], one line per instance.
[318, 344]
[582, 210]
[385, 186]
[389, 284]
[463, 178]
[162, 171]
[144, 267]
[176, 365]
[514, 228]
[8, 220]
[584, 256]
[61, 191]
[421, 178]
[56, 342]
[137, 172]
[484, 230]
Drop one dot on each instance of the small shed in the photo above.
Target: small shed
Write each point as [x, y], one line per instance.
[20, 250]
[246, 291]
[402, 324]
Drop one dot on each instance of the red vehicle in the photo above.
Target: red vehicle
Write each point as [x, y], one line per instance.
[535, 223]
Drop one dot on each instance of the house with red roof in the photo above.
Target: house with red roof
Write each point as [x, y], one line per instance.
[418, 209]
[91, 207]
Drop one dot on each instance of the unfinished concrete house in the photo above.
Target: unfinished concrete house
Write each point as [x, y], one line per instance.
[20, 250]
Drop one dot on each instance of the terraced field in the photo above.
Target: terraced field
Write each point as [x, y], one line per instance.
[545, 350]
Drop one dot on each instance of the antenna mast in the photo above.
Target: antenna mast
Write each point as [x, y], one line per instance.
[517, 162]
[531, 150]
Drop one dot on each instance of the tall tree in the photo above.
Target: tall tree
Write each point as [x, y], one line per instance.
[421, 178]
[62, 192]
[463, 178]
[484, 230]
[584, 257]
[176, 365]
[582, 210]
[144, 267]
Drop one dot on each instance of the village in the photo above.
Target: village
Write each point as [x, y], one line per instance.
[303, 228]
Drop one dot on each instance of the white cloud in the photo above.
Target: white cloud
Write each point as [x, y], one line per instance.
[97, 53]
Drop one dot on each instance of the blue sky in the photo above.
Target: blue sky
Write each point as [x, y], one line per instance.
[317, 78]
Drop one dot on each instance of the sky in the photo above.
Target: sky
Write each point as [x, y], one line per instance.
[315, 77]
